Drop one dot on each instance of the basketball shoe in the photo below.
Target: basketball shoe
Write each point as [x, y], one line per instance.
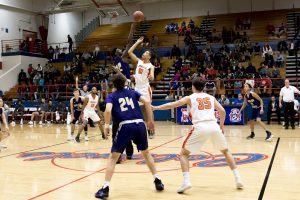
[185, 186]
[102, 193]
[158, 184]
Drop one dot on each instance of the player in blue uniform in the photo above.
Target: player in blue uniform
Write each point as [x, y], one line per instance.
[257, 106]
[76, 104]
[121, 65]
[123, 106]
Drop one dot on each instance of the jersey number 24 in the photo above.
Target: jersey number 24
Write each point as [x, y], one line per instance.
[125, 103]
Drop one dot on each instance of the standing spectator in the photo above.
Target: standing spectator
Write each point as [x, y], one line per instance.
[50, 53]
[287, 96]
[22, 77]
[70, 41]
[273, 107]
[19, 110]
[39, 69]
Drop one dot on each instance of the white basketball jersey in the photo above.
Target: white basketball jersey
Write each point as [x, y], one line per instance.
[142, 72]
[202, 108]
[93, 102]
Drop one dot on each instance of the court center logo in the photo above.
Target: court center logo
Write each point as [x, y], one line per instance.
[198, 160]
[234, 115]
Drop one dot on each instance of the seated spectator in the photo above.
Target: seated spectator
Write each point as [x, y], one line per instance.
[42, 110]
[210, 86]
[210, 72]
[19, 110]
[270, 29]
[67, 68]
[239, 100]
[238, 85]
[175, 51]
[247, 56]
[282, 46]
[61, 111]
[256, 49]
[263, 85]
[273, 107]
[279, 59]
[215, 36]
[228, 87]
[22, 77]
[267, 49]
[247, 23]
[281, 30]
[51, 112]
[224, 100]
[154, 40]
[56, 53]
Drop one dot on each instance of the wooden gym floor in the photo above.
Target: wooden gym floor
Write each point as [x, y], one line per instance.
[40, 164]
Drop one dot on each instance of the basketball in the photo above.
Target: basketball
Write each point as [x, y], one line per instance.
[138, 16]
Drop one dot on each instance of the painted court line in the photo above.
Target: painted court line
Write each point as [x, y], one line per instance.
[76, 180]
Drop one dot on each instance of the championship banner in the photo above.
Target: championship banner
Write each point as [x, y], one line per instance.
[232, 116]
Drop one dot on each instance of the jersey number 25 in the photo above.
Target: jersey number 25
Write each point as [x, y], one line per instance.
[125, 102]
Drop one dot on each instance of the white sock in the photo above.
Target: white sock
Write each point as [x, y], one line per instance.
[106, 184]
[156, 176]
[186, 177]
[236, 174]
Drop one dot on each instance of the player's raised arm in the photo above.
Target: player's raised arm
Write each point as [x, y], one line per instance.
[129, 40]
[76, 82]
[184, 101]
[130, 51]
[222, 112]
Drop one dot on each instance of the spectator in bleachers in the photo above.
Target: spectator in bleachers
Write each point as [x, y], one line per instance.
[18, 111]
[39, 69]
[154, 40]
[70, 41]
[270, 28]
[247, 56]
[62, 111]
[56, 53]
[37, 78]
[279, 59]
[239, 100]
[256, 49]
[51, 112]
[263, 85]
[273, 107]
[282, 46]
[267, 54]
[22, 77]
[238, 85]
[281, 30]
[224, 100]
[188, 39]
[30, 72]
[175, 51]
[291, 48]
[210, 86]
[246, 23]
[215, 36]
[41, 112]
[178, 64]
[297, 27]
[50, 53]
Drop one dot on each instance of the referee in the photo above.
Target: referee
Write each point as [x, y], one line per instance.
[287, 95]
